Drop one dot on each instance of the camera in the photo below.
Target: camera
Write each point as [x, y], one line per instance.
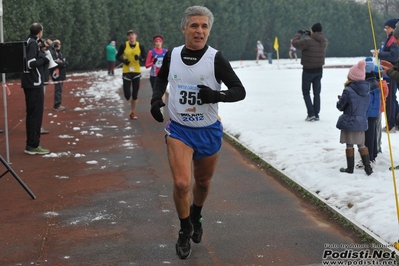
[56, 44]
[306, 32]
[40, 42]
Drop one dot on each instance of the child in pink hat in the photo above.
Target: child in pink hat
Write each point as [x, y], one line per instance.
[354, 103]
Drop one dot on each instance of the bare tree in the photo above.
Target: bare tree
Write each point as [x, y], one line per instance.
[388, 8]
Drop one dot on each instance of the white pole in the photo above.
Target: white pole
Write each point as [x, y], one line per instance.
[4, 86]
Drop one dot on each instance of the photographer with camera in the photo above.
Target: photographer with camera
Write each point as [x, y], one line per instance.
[32, 83]
[58, 74]
[44, 45]
[313, 48]
[50, 47]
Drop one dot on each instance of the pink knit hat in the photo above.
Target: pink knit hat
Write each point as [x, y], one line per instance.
[358, 71]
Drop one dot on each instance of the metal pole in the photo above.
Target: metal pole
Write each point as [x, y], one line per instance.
[9, 169]
[4, 86]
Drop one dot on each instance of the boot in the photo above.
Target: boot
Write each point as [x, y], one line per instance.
[350, 160]
[364, 153]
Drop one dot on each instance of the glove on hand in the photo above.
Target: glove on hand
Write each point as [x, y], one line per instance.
[156, 110]
[137, 57]
[155, 60]
[207, 95]
[126, 62]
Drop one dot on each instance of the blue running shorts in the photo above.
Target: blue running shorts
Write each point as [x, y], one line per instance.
[205, 141]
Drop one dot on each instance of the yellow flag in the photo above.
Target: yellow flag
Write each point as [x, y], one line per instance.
[275, 44]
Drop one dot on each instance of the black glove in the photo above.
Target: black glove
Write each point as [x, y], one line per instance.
[156, 110]
[301, 31]
[137, 57]
[155, 60]
[207, 95]
[126, 62]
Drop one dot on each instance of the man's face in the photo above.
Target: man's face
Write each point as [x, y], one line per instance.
[197, 32]
[388, 30]
[132, 38]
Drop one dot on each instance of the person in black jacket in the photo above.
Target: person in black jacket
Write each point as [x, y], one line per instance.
[43, 45]
[32, 83]
[390, 52]
[58, 75]
[269, 50]
[195, 72]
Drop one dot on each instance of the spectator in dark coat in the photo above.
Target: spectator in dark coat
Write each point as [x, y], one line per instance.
[59, 75]
[313, 55]
[32, 83]
[390, 53]
[391, 69]
[269, 51]
[354, 102]
[373, 112]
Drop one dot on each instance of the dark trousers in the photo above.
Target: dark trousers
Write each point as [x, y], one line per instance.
[371, 138]
[152, 81]
[34, 100]
[314, 80]
[111, 67]
[269, 57]
[391, 104]
[131, 85]
[58, 93]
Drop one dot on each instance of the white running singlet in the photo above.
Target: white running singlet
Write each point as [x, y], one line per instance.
[184, 105]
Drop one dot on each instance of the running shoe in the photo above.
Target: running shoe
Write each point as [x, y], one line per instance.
[183, 245]
[34, 151]
[132, 116]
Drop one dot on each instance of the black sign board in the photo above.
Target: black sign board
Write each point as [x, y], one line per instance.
[13, 57]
